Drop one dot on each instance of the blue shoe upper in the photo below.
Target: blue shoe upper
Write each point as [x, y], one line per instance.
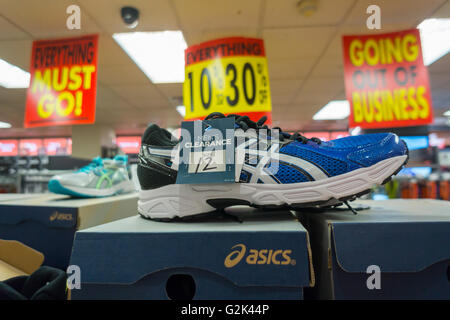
[304, 160]
[343, 155]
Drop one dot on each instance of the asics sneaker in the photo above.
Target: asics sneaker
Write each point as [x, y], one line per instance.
[307, 173]
[101, 178]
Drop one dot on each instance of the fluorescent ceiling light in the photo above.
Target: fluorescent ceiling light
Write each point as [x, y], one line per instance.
[12, 76]
[181, 110]
[160, 55]
[447, 113]
[333, 110]
[5, 125]
[435, 35]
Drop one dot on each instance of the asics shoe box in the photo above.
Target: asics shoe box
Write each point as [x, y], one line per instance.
[267, 256]
[48, 222]
[397, 249]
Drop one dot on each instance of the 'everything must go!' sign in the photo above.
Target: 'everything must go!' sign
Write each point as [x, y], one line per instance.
[63, 83]
[386, 81]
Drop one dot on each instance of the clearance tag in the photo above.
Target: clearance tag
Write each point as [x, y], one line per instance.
[227, 75]
[207, 151]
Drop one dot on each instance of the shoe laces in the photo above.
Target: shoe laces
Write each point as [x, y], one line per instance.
[96, 163]
[245, 123]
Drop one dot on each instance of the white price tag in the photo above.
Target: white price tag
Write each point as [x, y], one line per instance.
[207, 161]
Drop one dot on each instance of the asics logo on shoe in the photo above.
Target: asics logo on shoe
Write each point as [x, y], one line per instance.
[261, 257]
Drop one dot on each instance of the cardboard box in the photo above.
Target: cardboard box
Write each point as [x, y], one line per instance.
[267, 256]
[17, 259]
[48, 222]
[18, 196]
[408, 240]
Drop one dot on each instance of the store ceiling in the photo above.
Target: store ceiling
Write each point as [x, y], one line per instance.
[304, 53]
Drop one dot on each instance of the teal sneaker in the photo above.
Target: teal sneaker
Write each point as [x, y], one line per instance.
[101, 178]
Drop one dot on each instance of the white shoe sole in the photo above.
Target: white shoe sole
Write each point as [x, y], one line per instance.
[122, 187]
[182, 200]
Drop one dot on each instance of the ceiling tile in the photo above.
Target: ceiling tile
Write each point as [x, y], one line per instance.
[439, 81]
[13, 96]
[155, 15]
[200, 14]
[9, 31]
[171, 89]
[45, 18]
[122, 74]
[16, 52]
[329, 66]
[320, 89]
[443, 11]
[197, 36]
[441, 66]
[110, 53]
[394, 12]
[140, 95]
[108, 99]
[285, 13]
[296, 43]
[283, 91]
[289, 68]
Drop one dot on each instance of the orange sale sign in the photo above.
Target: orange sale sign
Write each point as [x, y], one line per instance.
[63, 85]
[386, 81]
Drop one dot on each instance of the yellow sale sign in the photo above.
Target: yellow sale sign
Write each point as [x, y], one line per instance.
[229, 76]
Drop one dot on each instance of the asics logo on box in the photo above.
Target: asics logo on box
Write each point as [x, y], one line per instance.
[262, 256]
[60, 216]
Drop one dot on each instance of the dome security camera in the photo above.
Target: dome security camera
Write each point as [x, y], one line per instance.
[130, 16]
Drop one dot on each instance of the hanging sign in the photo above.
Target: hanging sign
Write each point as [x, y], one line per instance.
[63, 83]
[229, 76]
[386, 81]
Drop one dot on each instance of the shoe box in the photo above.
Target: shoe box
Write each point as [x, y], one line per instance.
[265, 255]
[397, 249]
[17, 259]
[47, 222]
[5, 197]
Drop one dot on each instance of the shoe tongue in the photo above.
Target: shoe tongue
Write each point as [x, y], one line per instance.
[121, 158]
[108, 161]
[97, 161]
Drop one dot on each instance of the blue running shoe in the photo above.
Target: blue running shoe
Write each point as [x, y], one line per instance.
[291, 171]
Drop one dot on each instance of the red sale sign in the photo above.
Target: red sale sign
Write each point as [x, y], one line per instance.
[63, 83]
[129, 144]
[9, 148]
[386, 81]
[56, 146]
[30, 147]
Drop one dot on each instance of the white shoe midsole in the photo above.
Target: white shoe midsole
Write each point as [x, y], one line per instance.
[189, 199]
[122, 187]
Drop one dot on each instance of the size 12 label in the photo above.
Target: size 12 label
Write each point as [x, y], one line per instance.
[207, 161]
